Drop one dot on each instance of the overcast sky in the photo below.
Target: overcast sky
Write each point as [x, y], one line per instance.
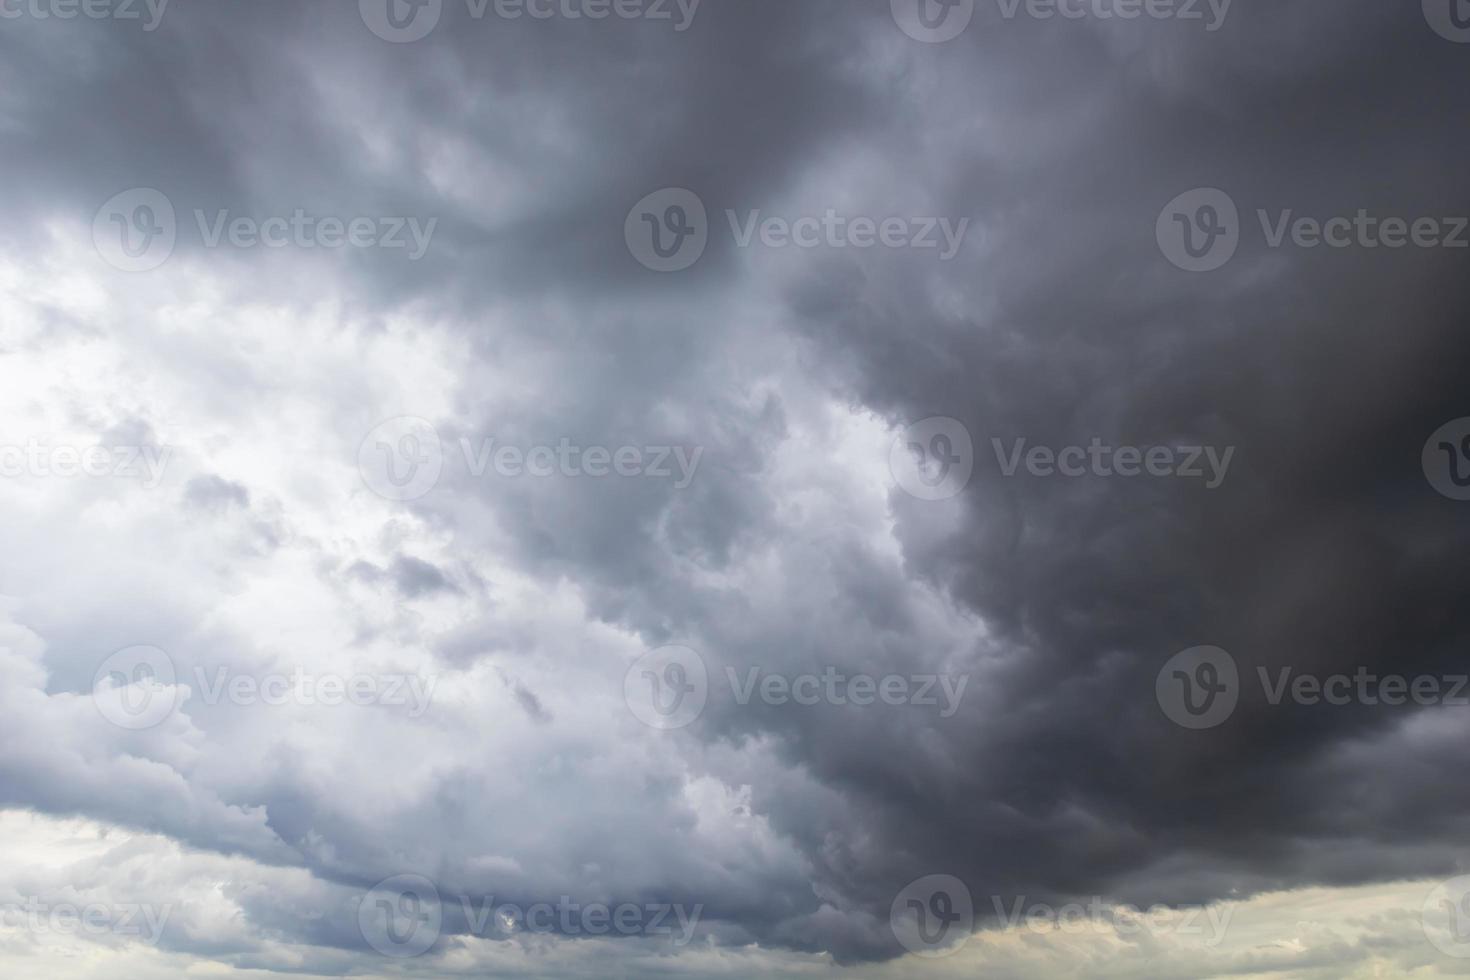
[745, 488]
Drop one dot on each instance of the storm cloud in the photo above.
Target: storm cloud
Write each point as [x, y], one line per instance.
[392, 390]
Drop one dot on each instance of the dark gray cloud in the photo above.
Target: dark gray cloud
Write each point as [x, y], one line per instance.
[415, 577]
[215, 493]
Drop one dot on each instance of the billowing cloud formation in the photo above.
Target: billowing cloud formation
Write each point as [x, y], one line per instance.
[374, 678]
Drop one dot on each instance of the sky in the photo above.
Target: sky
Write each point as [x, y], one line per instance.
[737, 488]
